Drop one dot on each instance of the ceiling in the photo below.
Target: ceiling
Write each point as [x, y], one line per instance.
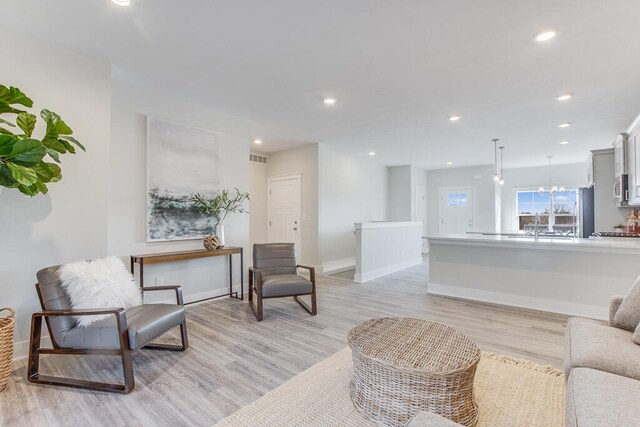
[398, 69]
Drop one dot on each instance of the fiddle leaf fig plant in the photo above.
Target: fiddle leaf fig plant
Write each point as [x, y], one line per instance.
[24, 159]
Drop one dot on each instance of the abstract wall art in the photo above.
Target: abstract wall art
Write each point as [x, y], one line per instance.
[181, 160]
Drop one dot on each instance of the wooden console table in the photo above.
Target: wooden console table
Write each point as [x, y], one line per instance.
[229, 251]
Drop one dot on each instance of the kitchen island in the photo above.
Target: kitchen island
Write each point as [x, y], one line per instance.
[563, 275]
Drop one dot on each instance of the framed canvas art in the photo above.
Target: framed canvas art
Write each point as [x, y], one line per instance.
[181, 160]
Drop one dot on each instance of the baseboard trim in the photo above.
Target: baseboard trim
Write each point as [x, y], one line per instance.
[338, 266]
[362, 278]
[542, 304]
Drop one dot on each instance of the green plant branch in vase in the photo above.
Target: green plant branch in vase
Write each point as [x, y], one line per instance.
[23, 157]
[218, 208]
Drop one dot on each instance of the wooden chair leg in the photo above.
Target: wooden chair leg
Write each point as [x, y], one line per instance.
[313, 310]
[260, 309]
[314, 304]
[33, 371]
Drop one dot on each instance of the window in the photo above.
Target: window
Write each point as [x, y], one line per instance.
[556, 212]
[457, 200]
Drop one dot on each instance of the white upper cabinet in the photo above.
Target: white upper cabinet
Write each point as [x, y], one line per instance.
[634, 168]
[633, 162]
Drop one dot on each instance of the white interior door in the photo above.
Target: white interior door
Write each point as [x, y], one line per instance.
[456, 210]
[284, 210]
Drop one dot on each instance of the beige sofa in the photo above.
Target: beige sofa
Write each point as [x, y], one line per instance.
[602, 365]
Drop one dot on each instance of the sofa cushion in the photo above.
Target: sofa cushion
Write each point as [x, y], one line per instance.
[277, 285]
[593, 344]
[145, 323]
[636, 335]
[628, 314]
[596, 399]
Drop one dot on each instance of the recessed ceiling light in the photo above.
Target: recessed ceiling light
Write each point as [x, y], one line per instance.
[564, 97]
[257, 141]
[122, 2]
[545, 36]
[449, 163]
[372, 153]
[563, 142]
[454, 118]
[329, 101]
[564, 125]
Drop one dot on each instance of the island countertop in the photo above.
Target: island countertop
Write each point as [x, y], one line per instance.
[622, 245]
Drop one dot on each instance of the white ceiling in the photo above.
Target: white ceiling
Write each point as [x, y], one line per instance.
[398, 69]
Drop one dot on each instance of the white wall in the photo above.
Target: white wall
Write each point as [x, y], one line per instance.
[127, 190]
[351, 190]
[258, 204]
[480, 178]
[70, 222]
[400, 193]
[303, 160]
[569, 176]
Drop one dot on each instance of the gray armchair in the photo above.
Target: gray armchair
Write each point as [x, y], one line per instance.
[275, 275]
[118, 335]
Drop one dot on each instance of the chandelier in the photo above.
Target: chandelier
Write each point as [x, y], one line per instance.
[552, 188]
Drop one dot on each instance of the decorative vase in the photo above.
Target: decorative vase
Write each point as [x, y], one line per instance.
[210, 242]
[220, 235]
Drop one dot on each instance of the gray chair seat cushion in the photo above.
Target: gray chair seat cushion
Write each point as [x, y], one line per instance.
[276, 285]
[597, 399]
[145, 323]
[592, 344]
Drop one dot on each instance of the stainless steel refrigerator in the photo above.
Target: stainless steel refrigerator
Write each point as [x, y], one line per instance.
[586, 217]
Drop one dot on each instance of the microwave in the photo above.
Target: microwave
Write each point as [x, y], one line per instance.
[621, 190]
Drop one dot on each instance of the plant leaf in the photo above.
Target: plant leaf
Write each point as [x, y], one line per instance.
[62, 127]
[43, 172]
[23, 175]
[54, 144]
[67, 146]
[30, 190]
[27, 152]
[73, 141]
[56, 172]
[6, 145]
[26, 122]
[54, 155]
[6, 179]
[6, 108]
[7, 122]
[13, 95]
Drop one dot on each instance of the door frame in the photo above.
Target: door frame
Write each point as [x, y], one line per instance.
[271, 180]
[443, 190]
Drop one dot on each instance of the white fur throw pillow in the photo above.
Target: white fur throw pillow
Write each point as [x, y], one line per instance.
[100, 283]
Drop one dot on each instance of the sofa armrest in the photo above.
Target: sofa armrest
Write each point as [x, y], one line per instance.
[614, 306]
[176, 288]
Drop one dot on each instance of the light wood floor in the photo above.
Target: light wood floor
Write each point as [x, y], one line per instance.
[233, 359]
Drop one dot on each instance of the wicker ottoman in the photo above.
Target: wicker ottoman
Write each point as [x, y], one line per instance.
[402, 366]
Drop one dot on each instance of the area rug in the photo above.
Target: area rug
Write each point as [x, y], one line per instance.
[509, 392]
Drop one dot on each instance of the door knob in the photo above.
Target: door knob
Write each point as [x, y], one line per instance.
[295, 228]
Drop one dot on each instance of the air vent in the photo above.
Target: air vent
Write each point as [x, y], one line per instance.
[257, 158]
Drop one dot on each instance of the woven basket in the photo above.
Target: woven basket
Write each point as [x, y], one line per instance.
[6, 346]
[402, 366]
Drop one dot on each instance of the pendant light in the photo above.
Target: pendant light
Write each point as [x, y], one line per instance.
[496, 176]
[552, 188]
[501, 180]
[497, 168]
